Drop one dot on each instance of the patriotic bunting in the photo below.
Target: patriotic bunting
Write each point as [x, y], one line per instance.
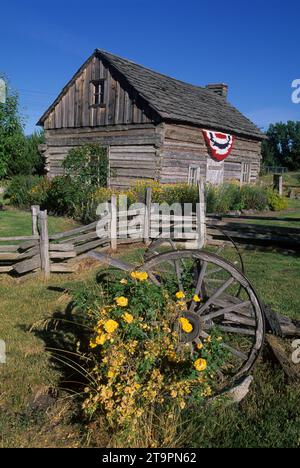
[220, 144]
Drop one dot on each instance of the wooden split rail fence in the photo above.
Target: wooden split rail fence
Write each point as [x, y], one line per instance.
[56, 253]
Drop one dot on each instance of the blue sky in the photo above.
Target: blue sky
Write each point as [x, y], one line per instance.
[253, 46]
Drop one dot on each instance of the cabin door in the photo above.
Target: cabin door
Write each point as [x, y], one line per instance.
[214, 172]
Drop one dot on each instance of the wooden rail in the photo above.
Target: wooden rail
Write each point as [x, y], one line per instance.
[53, 253]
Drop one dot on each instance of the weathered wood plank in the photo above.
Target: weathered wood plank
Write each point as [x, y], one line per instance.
[28, 265]
[62, 255]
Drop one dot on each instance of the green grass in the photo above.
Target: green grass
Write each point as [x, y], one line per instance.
[15, 222]
[270, 416]
[289, 179]
[293, 211]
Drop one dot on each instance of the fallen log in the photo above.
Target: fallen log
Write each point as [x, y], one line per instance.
[283, 356]
[280, 325]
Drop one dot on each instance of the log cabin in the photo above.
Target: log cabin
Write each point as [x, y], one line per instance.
[153, 126]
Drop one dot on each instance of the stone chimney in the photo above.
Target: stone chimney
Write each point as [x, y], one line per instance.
[219, 88]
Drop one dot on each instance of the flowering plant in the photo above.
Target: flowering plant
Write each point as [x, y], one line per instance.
[140, 359]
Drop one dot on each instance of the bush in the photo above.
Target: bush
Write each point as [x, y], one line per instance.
[64, 197]
[254, 198]
[19, 190]
[87, 165]
[137, 362]
[276, 202]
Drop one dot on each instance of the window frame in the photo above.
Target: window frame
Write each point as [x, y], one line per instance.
[246, 173]
[194, 177]
[100, 94]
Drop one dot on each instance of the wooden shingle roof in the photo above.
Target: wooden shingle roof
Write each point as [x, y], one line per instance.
[182, 102]
[174, 100]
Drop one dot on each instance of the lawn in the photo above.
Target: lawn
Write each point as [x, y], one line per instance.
[290, 179]
[270, 416]
[287, 218]
[15, 222]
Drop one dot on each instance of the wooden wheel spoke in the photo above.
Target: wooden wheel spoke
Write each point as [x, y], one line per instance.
[218, 293]
[178, 274]
[237, 330]
[236, 352]
[225, 311]
[199, 284]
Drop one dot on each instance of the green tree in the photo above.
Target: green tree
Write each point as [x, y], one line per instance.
[19, 155]
[283, 145]
[12, 140]
[34, 158]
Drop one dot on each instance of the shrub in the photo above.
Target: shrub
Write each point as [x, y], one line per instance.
[275, 201]
[254, 198]
[87, 165]
[137, 362]
[19, 190]
[64, 196]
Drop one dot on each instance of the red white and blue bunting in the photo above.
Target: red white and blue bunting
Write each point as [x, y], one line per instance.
[220, 144]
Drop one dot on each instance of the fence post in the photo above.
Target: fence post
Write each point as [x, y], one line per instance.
[147, 220]
[201, 215]
[113, 225]
[278, 183]
[35, 209]
[44, 243]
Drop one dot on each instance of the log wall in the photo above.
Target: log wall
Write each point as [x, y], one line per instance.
[133, 150]
[184, 146]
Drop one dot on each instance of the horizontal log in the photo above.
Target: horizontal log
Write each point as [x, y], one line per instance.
[61, 247]
[18, 238]
[28, 265]
[84, 238]
[6, 269]
[29, 253]
[90, 246]
[9, 256]
[72, 232]
[28, 245]
[62, 255]
[8, 248]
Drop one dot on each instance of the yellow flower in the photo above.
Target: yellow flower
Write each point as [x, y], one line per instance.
[186, 325]
[182, 305]
[110, 326]
[124, 281]
[196, 298]
[139, 275]
[128, 318]
[208, 339]
[219, 339]
[93, 344]
[180, 295]
[122, 301]
[200, 365]
[199, 346]
[101, 339]
[111, 373]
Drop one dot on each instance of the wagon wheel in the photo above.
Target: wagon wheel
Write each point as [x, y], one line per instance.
[238, 320]
[161, 245]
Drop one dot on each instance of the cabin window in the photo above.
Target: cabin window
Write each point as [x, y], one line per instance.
[97, 88]
[246, 173]
[194, 175]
